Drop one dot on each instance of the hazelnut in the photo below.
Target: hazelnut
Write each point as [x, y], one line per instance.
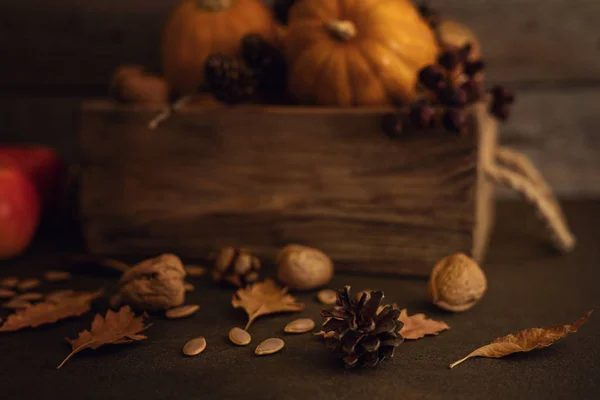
[303, 268]
[457, 283]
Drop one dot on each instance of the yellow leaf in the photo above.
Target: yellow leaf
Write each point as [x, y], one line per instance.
[263, 298]
[121, 327]
[525, 340]
[50, 311]
[417, 326]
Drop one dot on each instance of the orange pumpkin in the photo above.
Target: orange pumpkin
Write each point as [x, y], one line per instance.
[453, 35]
[356, 52]
[199, 28]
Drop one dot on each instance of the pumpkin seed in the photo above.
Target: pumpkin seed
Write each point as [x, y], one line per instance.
[57, 276]
[55, 297]
[28, 284]
[16, 304]
[269, 346]
[239, 337]
[327, 296]
[189, 287]
[182, 312]
[194, 271]
[301, 325]
[7, 293]
[31, 296]
[9, 282]
[194, 346]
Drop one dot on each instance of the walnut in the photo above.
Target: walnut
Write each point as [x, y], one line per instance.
[457, 283]
[154, 284]
[303, 268]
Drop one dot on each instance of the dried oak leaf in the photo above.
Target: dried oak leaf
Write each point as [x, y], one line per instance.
[417, 326]
[263, 298]
[51, 311]
[121, 327]
[525, 340]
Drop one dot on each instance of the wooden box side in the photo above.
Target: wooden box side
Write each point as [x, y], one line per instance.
[264, 177]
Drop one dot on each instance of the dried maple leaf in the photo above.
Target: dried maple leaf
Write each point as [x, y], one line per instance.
[119, 327]
[264, 298]
[525, 340]
[417, 326]
[49, 312]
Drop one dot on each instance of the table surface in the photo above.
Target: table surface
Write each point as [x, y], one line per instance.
[529, 286]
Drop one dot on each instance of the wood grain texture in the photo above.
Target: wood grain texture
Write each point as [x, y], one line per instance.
[73, 42]
[262, 178]
[558, 129]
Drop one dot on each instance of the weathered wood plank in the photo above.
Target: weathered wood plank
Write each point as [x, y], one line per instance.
[262, 178]
[558, 129]
[71, 42]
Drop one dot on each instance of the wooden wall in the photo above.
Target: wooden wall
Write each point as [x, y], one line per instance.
[57, 53]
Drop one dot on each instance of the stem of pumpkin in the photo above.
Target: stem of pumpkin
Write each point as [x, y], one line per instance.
[214, 5]
[343, 30]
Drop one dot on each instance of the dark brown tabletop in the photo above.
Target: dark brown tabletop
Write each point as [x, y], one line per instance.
[529, 286]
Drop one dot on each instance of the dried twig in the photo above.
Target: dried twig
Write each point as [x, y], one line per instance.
[168, 111]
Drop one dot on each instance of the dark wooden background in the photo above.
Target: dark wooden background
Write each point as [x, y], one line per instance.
[55, 54]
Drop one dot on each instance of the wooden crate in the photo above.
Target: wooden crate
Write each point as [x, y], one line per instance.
[263, 177]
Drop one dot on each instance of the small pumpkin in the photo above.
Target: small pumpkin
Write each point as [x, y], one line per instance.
[199, 28]
[357, 53]
[453, 35]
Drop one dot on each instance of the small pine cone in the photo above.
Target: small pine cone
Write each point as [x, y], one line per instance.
[236, 266]
[266, 61]
[361, 331]
[229, 79]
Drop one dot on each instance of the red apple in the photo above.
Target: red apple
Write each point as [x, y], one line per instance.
[19, 212]
[44, 168]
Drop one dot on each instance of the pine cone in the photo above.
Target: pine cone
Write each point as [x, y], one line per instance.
[229, 79]
[236, 266]
[361, 334]
[266, 61]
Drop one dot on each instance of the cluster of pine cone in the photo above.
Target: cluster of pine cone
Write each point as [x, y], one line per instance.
[448, 87]
[259, 72]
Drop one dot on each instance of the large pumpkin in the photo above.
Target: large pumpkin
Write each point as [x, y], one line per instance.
[199, 28]
[357, 52]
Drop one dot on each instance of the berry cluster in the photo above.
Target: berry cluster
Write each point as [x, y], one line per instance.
[260, 71]
[447, 88]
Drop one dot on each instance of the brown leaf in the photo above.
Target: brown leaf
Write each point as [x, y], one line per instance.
[525, 340]
[264, 298]
[417, 326]
[119, 327]
[49, 312]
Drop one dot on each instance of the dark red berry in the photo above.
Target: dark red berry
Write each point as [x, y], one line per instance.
[473, 90]
[452, 96]
[431, 78]
[449, 60]
[454, 120]
[500, 111]
[502, 95]
[229, 79]
[393, 125]
[473, 67]
[421, 115]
